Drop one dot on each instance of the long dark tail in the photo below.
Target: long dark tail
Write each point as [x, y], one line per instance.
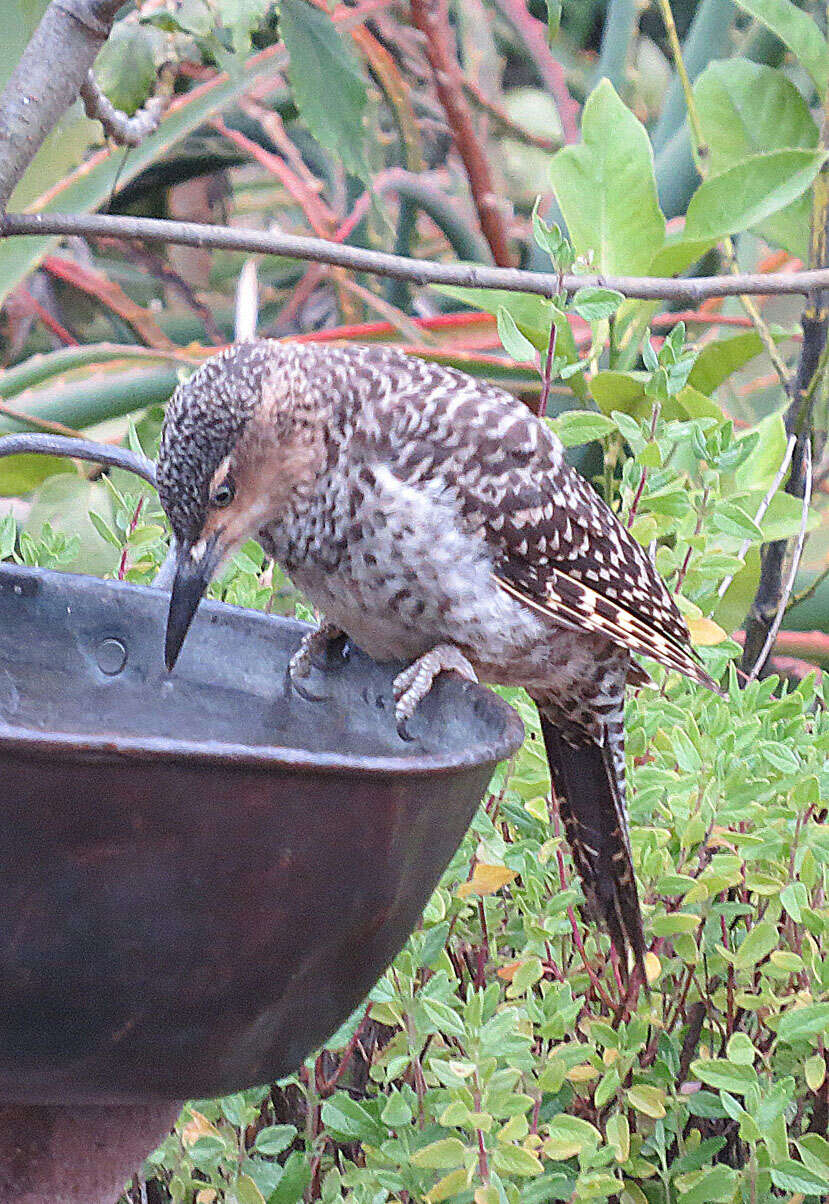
[589, 783]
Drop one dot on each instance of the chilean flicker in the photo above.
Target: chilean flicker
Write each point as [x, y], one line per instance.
[433, 519]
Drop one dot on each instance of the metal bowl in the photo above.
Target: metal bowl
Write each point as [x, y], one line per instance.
[202, 873]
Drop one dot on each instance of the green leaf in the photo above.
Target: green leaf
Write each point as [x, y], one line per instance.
[349, 1120]
[125, 69]
[550, 239]
[718, 1184]
[397, 1111]
[241, 17]
[618, 1136]
[678, 254]
[749, 192]
[622, 392]
[8, 535]
[746, 108]
[104, 530]
[733, 520]
[581, 426]
[296, 1175]
[514, 1160]
[569, 1136]
[717, 360]
[513, 341]
[593, 304]
[801, 1024]
[441, 1155]
[606, 187]
[759, 943]
[794, 897]
[553, 19]
[724, 1075]
[814, 1150]
[789, 1175]
[740, 1049]
[245, 1191]
[22, 474]
[647, 1099]
[796, 30]
[532, 315]
[274, 1139]
[326, 80]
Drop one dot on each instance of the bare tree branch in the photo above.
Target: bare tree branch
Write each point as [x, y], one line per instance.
[380, 263]
[48, 79]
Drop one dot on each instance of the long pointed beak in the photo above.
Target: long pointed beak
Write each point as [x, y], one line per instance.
[191, 580]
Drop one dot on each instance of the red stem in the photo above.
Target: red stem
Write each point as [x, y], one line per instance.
[431, 17]
[122, 565]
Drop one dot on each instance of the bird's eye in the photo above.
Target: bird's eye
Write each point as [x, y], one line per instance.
[223, 495]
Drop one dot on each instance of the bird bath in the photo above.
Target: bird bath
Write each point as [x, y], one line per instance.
[201, 873]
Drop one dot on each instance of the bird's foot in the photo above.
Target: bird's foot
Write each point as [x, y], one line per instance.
[413, 684]
[313, 644]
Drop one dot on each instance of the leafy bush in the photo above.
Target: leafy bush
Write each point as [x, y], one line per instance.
[499, 1059]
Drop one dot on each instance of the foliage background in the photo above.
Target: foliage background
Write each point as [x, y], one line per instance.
[498, 1059]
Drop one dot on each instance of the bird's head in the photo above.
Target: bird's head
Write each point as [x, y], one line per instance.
[239, 443]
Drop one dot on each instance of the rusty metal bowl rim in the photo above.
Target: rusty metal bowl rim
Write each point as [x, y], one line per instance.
[77, 746]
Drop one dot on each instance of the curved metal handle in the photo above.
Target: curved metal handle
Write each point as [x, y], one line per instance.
[80, 449]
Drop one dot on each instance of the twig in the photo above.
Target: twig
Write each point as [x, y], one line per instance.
[795, 565]
[697, 141]
[640, 488]
[49, 320]
[505, 123]
[547, 378]
[810, 589]
[432, 19]
[118, 125]
[533, 34]
[122, 564]
[380, 263]
[763, 507]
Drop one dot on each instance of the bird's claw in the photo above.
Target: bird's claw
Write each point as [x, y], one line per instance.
[301, 663]
[413, 684]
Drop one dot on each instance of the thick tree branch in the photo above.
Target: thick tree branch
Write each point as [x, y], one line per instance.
[48, 79]
[432, 19]
[380, 263]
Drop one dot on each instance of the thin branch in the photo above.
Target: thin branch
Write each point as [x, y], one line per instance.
[123, 129]
[504, 123]
[380, 263]
[810, 589]
[795, 565]
[763, 507]
[697, 141]
[533, 34]
[47, 80]
[432, 19]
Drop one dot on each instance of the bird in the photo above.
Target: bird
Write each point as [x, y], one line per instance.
[432, 519]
